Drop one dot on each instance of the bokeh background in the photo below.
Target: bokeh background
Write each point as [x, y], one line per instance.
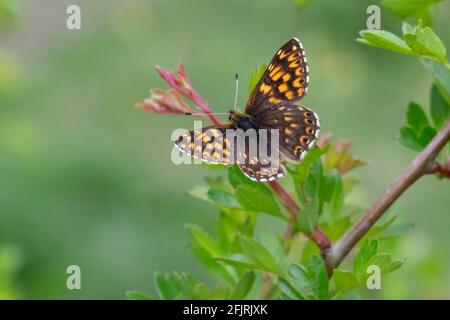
[86, 179]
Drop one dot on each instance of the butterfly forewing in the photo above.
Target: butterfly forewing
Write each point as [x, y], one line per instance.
[285, 79]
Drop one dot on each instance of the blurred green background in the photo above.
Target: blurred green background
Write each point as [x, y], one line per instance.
[86, 179]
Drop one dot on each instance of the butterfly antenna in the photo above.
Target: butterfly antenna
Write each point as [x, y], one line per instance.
[236, 91]
[205, 114]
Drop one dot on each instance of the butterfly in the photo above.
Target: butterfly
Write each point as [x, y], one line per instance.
[270, 106]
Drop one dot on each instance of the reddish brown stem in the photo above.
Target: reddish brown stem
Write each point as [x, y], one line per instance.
[419, 167]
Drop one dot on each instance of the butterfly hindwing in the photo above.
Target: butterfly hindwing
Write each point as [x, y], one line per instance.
[285, 79]
[298, 128]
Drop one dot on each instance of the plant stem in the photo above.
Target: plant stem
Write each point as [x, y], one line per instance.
[418, 167]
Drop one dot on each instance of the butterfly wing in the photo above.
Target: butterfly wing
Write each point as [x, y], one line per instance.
[225, 145]
[208, 144]
[298, 128]
[285, 79]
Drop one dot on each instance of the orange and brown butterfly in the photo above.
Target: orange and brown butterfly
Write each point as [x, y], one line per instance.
[270, 106]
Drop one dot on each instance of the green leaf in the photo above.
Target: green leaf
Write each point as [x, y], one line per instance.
[300, 278]
[344, 280]
[273, 244]
[288, 290]
[137, 295]
[367, 250]
[328, 185]
[167, 286]
[255, 76]
[222, 198]
[243, 286]
[407, 28]
[385, 40]
[409, 138]
[221, 292]
[407, 8]
[337, 199]
[440, 108]
[239, 261]
[259, 255]
[427, 135]
[312, 281]
[199, 192]
[416, 117]
[257, 199]
[308, 216]
[202, 292]
[313, 180]
[384, 262]
[303, 167]
[425, 42]
[441, 76]
[206, 249]
[318, 277]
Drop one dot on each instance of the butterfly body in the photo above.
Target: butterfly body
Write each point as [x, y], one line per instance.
[242, 121]
[290, 129]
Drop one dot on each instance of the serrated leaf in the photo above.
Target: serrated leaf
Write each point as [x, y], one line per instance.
[385, 40]
[440, 108]
[137, 295]
[256, 199]
[259, 255]
[344, 280]
[416, 117]
[243, 286]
